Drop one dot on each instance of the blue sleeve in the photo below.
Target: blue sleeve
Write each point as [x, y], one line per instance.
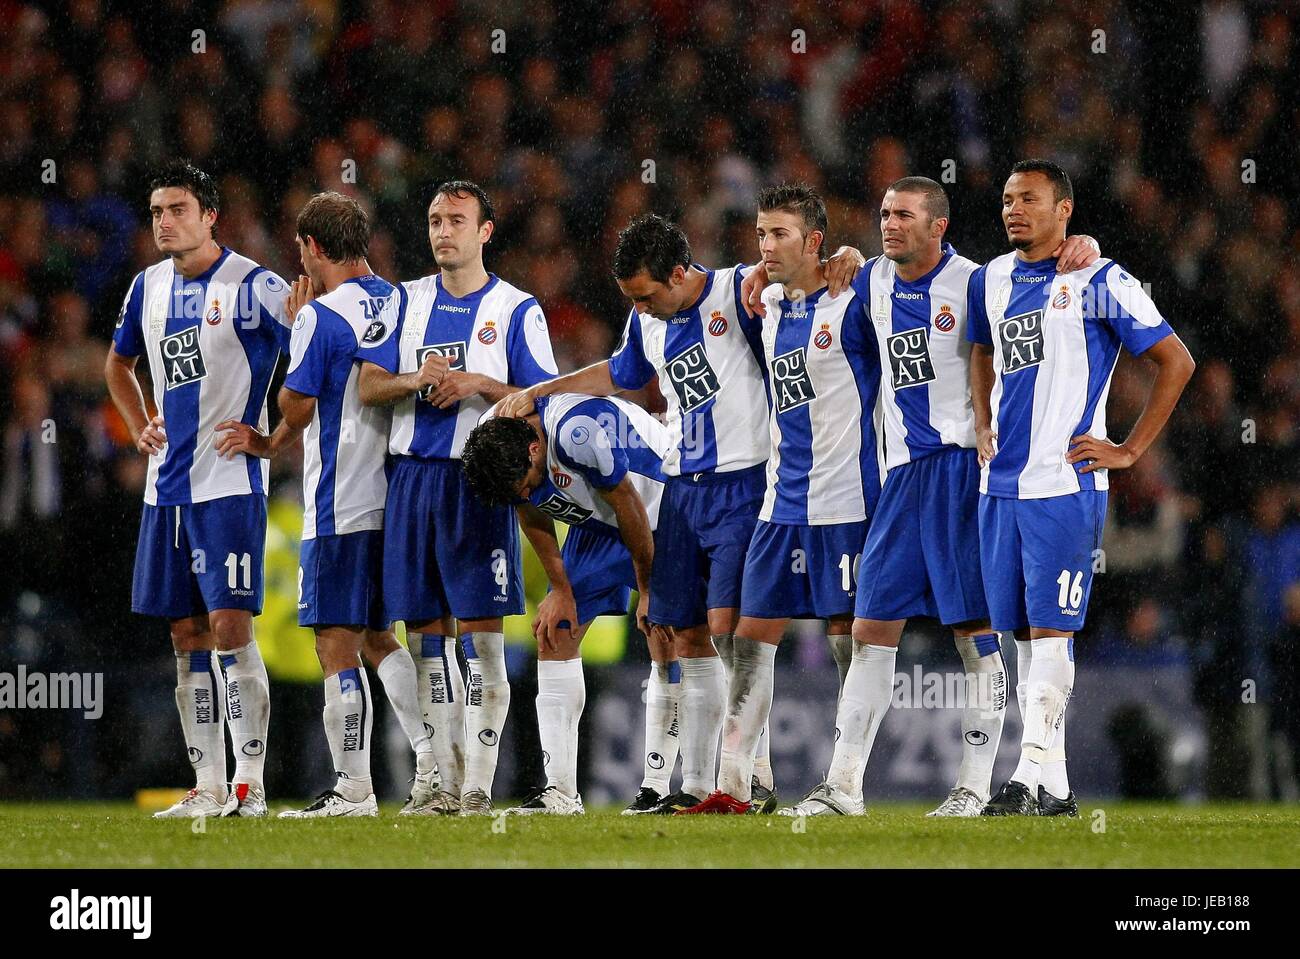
[128, 336]
[386, 353]
[311, 349]
[529, 355]
[628, 367]
[1118, 300]
[751, 326]
[977, 316]
[587, 442]
[269, 307]
[857, 333]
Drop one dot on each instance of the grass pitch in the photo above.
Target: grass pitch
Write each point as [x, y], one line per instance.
[89, 835]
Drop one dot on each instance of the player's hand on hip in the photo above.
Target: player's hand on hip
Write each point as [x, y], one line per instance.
[1100, 454]
[152, 438]
[454, 387]
[986, 445]
[557, 611]
[237, 437]
[842, 268]
[751, 291]
[432, 370]
[517, 405]
[300, 294]
[1076, 252]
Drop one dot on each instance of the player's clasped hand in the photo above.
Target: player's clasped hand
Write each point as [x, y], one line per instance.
[431, 372]
[454, 387]
[237, 437]
[152, 438]
[300, 294]
[1100, 454]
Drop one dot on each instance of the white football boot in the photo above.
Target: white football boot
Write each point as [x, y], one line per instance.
[329, 804]
[549, 801]
[825, 800]
[246, 799]
[194, 805]
[961, 802]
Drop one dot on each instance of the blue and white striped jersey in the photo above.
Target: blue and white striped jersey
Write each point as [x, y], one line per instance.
[212, 343]
[499, 331]
[592, 443]
[920, 330]
[343, 480]
[708, 362]
[823, 379]
[1055, 340]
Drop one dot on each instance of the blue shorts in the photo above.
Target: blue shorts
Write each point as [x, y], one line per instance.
[339, 580]
[199, 557]
[1037, 555]
[802, 571]
[705, 523]
[445, 552]
[600, 571]
[922, 556]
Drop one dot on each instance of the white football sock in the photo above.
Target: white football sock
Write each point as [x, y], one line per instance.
[763, 757]
[441, 691]
[868, 691]
[248, 710]
[348, 720]
[1054, 778]
[397, 673]
[199, 693]
[1051, 676]
[842, 653]
[486, 704]
[984, 711]
[703, 701]
[1024, 659]
[662, 697]
[561, 695]
[749, 700]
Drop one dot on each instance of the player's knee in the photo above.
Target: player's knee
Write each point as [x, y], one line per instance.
[875, 632]
[189, 635]
[232, 629]
[376, 645]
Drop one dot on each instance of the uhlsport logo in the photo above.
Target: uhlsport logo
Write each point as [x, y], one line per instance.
[1021, 338]
[692, 377]
[654, 760]
[791, 385]
[488, 737]
[717, 323]
[909, 358]
[182, 358]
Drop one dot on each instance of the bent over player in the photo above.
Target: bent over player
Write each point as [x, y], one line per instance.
[597, 465]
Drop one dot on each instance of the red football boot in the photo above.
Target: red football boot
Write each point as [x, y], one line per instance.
[719, 804]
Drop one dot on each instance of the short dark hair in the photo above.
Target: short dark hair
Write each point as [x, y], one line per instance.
[184, 174]
[936, 200]
[1062, 188]
[338, 224]
[652, 243]
[799, 199]
[464, 188]
[495, 458]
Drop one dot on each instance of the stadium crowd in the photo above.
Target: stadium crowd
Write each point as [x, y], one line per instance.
[1175, 125]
